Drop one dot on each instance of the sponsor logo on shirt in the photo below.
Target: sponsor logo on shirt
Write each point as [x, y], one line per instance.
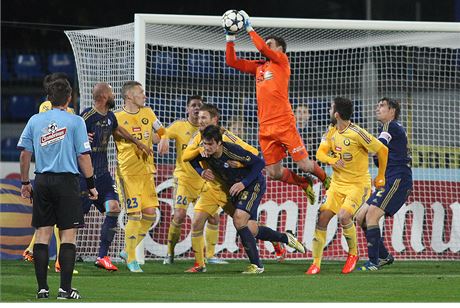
[54, 136]
[338, 149]
[146, 135]
[347, 157]
[136, 129]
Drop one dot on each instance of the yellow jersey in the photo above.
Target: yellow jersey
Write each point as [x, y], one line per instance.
[141, 125]
[352, 145]
[46, 105]
[182, 132]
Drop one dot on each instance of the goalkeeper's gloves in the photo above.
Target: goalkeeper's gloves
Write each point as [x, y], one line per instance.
[247, 22]
[229, 36]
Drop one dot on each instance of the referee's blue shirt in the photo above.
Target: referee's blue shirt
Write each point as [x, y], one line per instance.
[57, 138]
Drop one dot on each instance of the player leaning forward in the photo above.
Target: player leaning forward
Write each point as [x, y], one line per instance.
[278, 131]
[136, 168]
[345, 147]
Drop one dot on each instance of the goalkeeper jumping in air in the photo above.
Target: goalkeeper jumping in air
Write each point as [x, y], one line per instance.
[278, 131]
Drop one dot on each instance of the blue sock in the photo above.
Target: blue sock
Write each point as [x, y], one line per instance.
[268, 234]
[108, 230]
[373, 239]
[383, 251]
[250, 246]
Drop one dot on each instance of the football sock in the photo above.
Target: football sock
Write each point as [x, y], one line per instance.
[41, 265]
[291, 177]
[31, 244]
[319, 240]
[146, 222]
[131, 230]
[67, 261]
[173, 236]
[268, 234]
[58, 240]
[373, 239]
[198, 246]
[250, 245]
[212, 236]
[349, 231]
[277, 247]
[383, 251]
[108, 230]
[318, 171]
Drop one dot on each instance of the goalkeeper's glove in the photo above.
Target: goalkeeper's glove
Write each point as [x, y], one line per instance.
[229, 36]
[247, 22]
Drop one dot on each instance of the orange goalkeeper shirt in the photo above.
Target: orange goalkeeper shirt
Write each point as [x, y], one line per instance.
[272, 80]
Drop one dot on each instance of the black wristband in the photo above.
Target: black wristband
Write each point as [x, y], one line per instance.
[25, 183]
[90, 182]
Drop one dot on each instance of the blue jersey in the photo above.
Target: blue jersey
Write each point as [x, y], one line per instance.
[102, 125]
[250, 172]
[57, 138]
[393, 135]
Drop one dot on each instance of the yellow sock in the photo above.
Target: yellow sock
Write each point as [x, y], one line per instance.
[173, 236]
[198, 246]
[31, 244]
[131, 233]
[212, 236]
[58, 241]
[146, 222]
[349, 231]
[318, 246]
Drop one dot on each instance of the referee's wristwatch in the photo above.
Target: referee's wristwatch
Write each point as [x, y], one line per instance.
[25, 183]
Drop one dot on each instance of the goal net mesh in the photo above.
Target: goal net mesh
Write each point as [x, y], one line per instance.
[420, 69]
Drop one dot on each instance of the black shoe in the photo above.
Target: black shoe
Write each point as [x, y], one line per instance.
[387, 261]
[72, 294]
[43, 294]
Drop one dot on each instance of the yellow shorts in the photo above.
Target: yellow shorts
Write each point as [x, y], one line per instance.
[211, 200]
[186, 191]
[139, 192]
[347, 197]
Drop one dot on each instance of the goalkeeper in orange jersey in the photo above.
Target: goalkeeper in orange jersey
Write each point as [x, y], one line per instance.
[278, 131]
[345, 147]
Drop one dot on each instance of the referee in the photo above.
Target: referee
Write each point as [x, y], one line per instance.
[58, 140]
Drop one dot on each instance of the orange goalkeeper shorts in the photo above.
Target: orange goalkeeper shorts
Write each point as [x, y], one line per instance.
[276, 139]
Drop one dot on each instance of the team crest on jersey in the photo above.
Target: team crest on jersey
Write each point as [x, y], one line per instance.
[244, 195]
[268, 75]
[346, 142]
[145, 121]
[53, 134]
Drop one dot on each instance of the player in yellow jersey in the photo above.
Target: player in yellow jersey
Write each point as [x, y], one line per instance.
[136, 169]
[45, 106]
[345, 147]
[214, 196]
[187, 183]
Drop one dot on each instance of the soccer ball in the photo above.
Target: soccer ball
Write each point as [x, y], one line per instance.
[232, 21]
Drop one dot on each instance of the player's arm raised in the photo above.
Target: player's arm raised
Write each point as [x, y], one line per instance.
[259, 42]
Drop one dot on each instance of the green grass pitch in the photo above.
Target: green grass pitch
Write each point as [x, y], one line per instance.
[427, 281]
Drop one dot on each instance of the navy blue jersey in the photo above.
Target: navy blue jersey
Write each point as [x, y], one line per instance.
[393, 135]
[102, 125]
[227, 176]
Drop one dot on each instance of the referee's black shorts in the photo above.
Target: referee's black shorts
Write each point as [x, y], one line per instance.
[56, 201]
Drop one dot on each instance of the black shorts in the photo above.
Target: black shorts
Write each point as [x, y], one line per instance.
[56, 201]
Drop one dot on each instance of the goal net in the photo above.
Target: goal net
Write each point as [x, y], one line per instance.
[179, 56]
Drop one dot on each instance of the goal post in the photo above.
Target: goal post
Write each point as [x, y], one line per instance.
[418, 63]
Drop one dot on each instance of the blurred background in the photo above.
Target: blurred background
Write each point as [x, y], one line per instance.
[33, 43]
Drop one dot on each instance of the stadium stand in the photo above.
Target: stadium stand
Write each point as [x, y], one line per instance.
[28, 66]
[61, 62]
[21, 107]
[9, 150]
